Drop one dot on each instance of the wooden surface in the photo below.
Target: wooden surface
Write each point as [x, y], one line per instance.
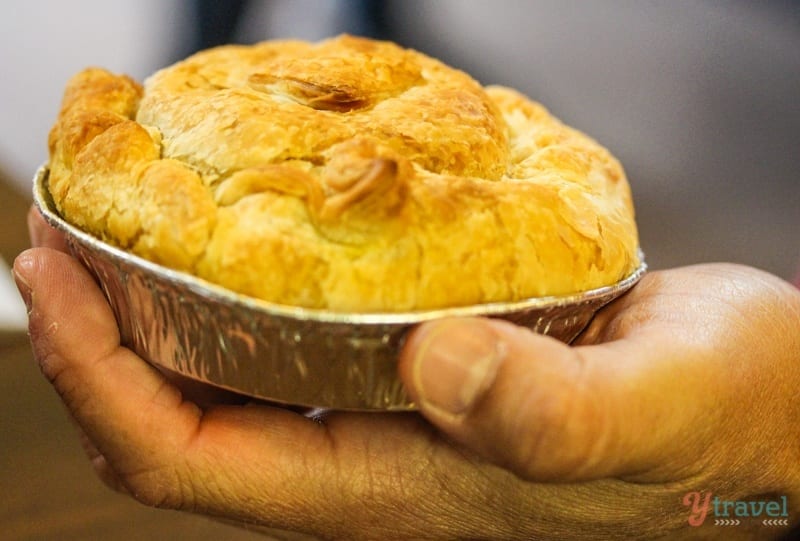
[48, 490]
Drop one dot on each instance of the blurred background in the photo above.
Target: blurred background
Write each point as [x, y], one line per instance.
[699, 101]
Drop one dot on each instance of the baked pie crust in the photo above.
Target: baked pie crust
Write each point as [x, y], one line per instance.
[350, 175]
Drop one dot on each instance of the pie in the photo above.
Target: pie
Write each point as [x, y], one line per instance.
[349, 175]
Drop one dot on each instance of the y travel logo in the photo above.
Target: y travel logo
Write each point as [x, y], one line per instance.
[735, 512]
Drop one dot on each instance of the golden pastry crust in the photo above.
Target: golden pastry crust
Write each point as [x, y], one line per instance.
[350, 174]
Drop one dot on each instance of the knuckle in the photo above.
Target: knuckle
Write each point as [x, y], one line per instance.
[50, 364]
[65, 381]
[49, 361]
[107, 475]
[541, 444]
[564, 436]
[160, 487]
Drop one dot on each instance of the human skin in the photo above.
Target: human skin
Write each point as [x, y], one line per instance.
[687, 383]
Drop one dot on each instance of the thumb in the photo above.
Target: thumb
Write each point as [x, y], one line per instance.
[542, 409]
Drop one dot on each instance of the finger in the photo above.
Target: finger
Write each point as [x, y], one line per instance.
[153, 439]
[549, 411]
[42, 234]
[77, 345]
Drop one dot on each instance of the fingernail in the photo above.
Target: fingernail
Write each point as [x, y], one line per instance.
[455, 364]
[23, 266]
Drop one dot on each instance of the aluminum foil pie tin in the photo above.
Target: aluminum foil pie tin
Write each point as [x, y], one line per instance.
[289, 355]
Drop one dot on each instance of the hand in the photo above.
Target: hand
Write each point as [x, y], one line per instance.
[687, 383]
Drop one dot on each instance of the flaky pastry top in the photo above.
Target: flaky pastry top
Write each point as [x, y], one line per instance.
[349, 174]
